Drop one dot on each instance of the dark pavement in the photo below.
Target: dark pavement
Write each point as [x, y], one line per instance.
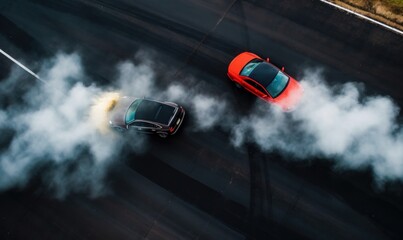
[196, 185]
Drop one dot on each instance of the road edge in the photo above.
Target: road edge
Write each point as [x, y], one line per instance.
[363, 17]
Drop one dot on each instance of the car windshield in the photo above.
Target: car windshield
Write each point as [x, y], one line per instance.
[246, 71]
[131, 112]
[278, 84]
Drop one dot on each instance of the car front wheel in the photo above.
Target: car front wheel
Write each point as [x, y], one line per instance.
[119, 129]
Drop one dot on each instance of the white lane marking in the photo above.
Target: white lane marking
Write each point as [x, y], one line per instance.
[364, 17]
[22, 66]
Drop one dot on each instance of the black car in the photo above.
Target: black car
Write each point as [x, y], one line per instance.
[147, 116]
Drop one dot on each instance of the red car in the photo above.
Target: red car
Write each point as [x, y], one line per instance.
[265, 80]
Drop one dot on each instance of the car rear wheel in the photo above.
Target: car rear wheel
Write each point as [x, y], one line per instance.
[163, 135]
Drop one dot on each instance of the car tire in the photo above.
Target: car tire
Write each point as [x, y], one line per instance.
[119, 129]
[163, 135]
[237, 85]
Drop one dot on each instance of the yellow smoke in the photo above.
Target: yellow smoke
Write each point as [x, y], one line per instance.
[103, 104]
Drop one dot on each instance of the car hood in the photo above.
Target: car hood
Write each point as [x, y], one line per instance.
[291, 96]
[118, 113]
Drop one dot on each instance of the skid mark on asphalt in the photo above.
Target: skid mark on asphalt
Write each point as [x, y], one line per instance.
[241, 11]
[260, 207]
[195, 49]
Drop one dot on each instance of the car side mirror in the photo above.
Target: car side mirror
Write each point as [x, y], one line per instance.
[282, 69]
[267, 59]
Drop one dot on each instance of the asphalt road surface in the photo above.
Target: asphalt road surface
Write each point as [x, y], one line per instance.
[196, 185]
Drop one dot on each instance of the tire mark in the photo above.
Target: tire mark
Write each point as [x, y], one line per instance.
[201, 42]
[213, 202]
[260, 194]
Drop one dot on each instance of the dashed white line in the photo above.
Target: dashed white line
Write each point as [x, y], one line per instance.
[364, 17]
[21, 65]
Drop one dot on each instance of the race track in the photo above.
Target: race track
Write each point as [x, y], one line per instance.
[197, 185]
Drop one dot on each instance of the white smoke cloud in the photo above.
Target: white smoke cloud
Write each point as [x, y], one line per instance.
[53, 135]
[138, 80]
[52, 128]
[207, 110]
[333, 122]
[3, 118]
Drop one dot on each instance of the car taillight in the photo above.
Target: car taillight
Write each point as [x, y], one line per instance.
[171, 129]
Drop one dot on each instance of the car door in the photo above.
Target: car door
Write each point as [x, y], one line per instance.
[140, 126]
[145, 127]
[255, 88]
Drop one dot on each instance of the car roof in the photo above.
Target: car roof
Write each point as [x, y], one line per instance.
[264, 73]
[154, 111]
